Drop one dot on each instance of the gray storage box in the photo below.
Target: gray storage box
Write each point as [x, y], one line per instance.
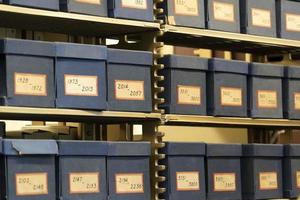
[92, 7]
[258, 17]
[265, 90]
[185, 84]
[223, 15]
[28, 169]
[223, 167]
[44, 4]
[262, 171]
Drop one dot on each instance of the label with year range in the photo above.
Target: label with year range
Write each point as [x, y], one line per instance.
[261, 18]
[298, 179]
[129, 183]
[292, 22]
[297, 101]
[129, 90]
[95, 2]
[231, 96]
[138, 4]
[187, 181]
[79, 85]
[84, 183]
[268, 181]
[186, 7]
[267, 99]
[224, 182]
[30, 184]
[223, 11]
[30, 84]
[190, 95]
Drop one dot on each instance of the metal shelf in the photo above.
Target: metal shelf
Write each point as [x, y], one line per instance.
[218, 40]
[191, 120]
[69, 23]
[71, 115]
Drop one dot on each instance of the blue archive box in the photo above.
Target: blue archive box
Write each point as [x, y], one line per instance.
[288, 19]
[227, 88]
[291, 171]
[27, 73]
[28, 169]
[258, 17]
[129, 170]
[223, 15]
[82, 170]
[91, 7]
[189, 13]
[43, 4]
[185, 84]
[262, 171]
[223, 167]
[131, 9]
[185, 171]
[129, 80]
[265, 90]
[291, 92]
[81, 76]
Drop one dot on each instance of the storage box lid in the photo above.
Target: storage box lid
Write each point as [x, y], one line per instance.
[27, 47]
[29, 147]
[184, 148]
[71, 50]
[223, 150]
[292, 71]
[230, 66]
[89, 148]
[185, 62]
[292, 150]
[129, 149]
[130, 57]
[263, 150]
[263, 69]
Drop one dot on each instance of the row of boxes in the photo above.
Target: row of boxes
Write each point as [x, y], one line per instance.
[65, 75]
[196, 171]
[125, 9]
[77, 170]
[218, 87]
[259, 17]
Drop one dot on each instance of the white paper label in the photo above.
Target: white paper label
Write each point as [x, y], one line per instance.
[261, 18]
[224, 182]
[129, 90]
[78, 85]
[186, 7]
[83, 183]
[187, 181]
[137, 4]
[298, 179]
[223, 11]
[96, 2]
[292, 22]
[268, 181]
[30, 184]
[267, 99]
[231, 96]
[30, 84]
[190, 95]
[129, 183]
[297, 100]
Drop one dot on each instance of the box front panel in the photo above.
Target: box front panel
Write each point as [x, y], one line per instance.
[93, 7]
[45, 4]
[291, 177]
[292, 101]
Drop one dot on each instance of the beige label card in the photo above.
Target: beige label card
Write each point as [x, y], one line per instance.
[297, 100]
[298, 179]
[30, 84]
[268, 181]
[95, 2]
[231, 96]
[29, 184]
[292, 22]
[78, 85]
[267, 99]
[261, 18]
[190, 95]
[129, 183]
[138, 4]
[224, 182]
[84, 183]
[187, 181]
[223, 11]
[186, 7]
[129, 90]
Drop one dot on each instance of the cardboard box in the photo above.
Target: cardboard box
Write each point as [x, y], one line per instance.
[27, 73]
[223, 169]
[262, 171]
[129, 80]
[189, 13]
[82, 170]
[258, 17]
[128, 9]
[91, 7]
[185, 174]
[129, 170]
[81, 76]
[223, 15]
[28, 169]
[43, 4]
[265, 90]
[185, 84]
[227, 88]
